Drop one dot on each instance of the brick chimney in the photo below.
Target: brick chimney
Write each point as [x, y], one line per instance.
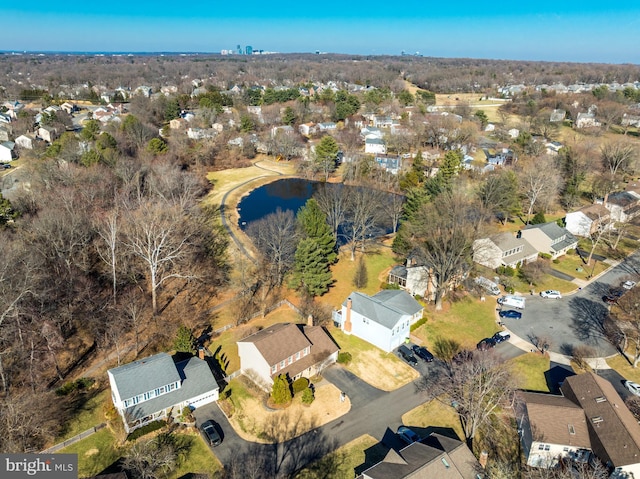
[483, 459]
[310, 320]
[347, 319]
[201, 353]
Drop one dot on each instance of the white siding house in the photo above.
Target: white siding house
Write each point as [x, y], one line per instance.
[155, 387]
[383, 320]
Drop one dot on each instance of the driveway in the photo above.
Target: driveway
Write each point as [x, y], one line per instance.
[577, 318]
[231, 442]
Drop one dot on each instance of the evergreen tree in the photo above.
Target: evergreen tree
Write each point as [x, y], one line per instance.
[6, 211]
[361, 276]
[313, 223]
[311, 270]
[288, 117]
[280, 392]
[185, 341]
[538, 218]
[326, 154]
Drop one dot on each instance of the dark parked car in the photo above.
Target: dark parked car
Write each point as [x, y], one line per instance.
[510, 313]
[407, 355]
[486, 344]
[422, 353]
[613, 296]
[211, 434]
[407, 435]
[501, 336]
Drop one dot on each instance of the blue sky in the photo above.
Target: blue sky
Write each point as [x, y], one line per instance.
[541, 30]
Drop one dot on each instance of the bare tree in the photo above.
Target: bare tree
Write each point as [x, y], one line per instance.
[363, 215]
[618, 157]
[444, 232]
[333, 201]
[108, 230]
[160, 237]
[626, 320]
[479, 386]
[539, 181]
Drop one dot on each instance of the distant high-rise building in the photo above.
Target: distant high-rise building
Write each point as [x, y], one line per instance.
[248, 50]
[239, 50]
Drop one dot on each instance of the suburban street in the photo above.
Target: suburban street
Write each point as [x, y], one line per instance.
[566, 322]
[575, 319]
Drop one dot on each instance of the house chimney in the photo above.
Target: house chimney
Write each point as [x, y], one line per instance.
[484, 457]
[347, 320]
[201, 353]
[310, 320]
[604, 201]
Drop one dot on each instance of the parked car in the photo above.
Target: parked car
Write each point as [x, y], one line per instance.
[634, 388]
[609, 299]
[407, 355]
[486, 344]
[551, 294]
[628, 284]
[211, 434]
[422, 352]
[501, 336]
[6, 166]
[510, 313]
[407, 435]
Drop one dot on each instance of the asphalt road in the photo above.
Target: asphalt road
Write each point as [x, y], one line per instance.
[576, 319]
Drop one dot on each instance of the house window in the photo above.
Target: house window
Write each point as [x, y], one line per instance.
[306, 351]
[297, 355]
[572, 430]
[148, 395]
[290, 359]
[282, 365]
[541, 447]
[547, 447]
[274, 368]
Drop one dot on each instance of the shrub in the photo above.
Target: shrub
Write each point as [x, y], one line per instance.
[538, 218]
[419, 323]
[580, 353]
[77, 385]
[307, 396]
[510, 289]
[344, 357]
[152, 426]
[506, 270]
[545, 255]
[389, 286]
[281, 394]
[299, 385]
[571, 251]
[556, 261]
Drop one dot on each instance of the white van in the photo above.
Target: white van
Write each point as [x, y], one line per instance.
[491, 287]
[512, 300]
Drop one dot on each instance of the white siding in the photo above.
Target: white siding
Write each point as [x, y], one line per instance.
[376, 334]
[251, 359]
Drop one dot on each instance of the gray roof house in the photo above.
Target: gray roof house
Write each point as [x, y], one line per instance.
[436, 456]
[382, 320]
[414, 278]
[549, 238]
[503, 249]
[152, 388]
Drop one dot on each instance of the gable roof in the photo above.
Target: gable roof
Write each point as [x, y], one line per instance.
[196, 379]
[594, 212]
[436, 456]
[614, 438]
[384, 308]
[554, 232]
[556, 420]
[144, 375]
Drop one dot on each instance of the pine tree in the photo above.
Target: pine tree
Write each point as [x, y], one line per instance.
[185, 341]
[311, 271]
[288, 117]
[280, 392]
[313, 223]
[361, 276]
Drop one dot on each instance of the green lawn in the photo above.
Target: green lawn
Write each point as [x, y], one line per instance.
[529, 370]
[341, 463]
[435, 417]
[573, 265]
[199, 459]
[622, 366]
[95, 453]
[467, 321]
[90, 413]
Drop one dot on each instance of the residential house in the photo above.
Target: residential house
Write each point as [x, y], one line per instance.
[415, 278]
[176, 124]
[380, 121]
[307, 129]
[371, 132]
[382, 320]
[549, 238]
[201, 133]
[4, 134]
[69, 107]
[389, 163]
[513, 133]
[294, 350]
[143, 90]
[327, 126]
[375, 146]
[586, 120]
[553, 147]
[25, 141]
[6, 151]
[283, 129]
[631, 120]
[156, 387]
[13, 108]
[436, 456]
[588, 220]
[503, 249]
[502, 156]
[623, 205]
[588, 418]
[4, 118]
[557, 116]
[47, 133]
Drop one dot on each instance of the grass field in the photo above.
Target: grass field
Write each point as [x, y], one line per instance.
[467, 321]
[626, 370]
[529, 370]
[90, 413]
[95, 453]
[433, 416]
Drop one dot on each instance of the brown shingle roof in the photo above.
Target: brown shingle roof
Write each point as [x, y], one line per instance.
[279, 341]
[595, 212]
[551, 417]
[616, 438]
